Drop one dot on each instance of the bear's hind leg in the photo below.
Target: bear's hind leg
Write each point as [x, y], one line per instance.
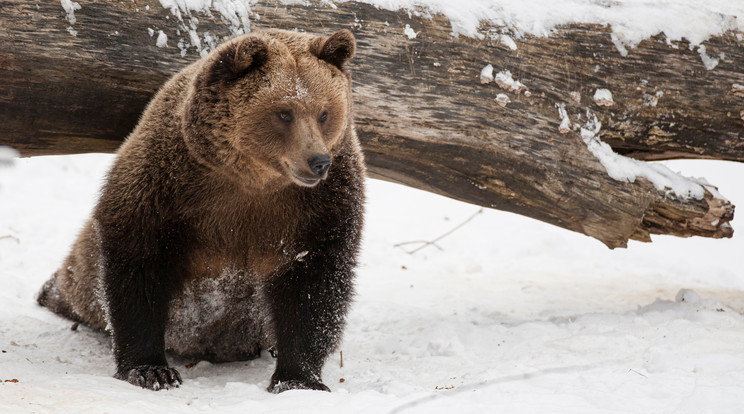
[51, 298]
[73, 289]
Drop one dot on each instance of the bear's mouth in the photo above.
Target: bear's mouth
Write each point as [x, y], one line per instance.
[310, 182]
[301, 179]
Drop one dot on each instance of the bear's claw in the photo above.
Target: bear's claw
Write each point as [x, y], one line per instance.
[151, 377]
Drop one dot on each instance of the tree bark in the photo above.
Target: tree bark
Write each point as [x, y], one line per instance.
[423, 116]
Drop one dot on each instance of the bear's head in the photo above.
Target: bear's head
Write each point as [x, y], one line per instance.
[272, 106]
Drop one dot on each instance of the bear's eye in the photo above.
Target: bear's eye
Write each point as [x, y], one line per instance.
[285, 116]
[323, 117]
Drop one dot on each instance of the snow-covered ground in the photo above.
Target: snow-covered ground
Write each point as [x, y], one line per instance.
[506, 314]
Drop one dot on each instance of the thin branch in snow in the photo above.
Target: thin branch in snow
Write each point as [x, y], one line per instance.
[425, 242]
[481, 385]
[433, 242]
[632, 370]
[8, 236]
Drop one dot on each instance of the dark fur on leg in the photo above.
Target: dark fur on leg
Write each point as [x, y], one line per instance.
[138, 285]
[309, 305]
[310, 300]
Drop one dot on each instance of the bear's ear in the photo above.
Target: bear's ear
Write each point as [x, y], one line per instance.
[236, 59]
[337, 49]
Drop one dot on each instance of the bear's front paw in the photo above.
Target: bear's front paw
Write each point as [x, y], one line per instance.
[152, 377]
[278, 386]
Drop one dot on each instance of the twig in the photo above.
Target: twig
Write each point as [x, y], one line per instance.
[17, 240]
[342, 358]
[425, 242]
[482, 385]
[632, 370]
[433, 242]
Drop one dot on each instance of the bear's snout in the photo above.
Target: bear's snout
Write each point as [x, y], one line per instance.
[310, 172]
[319, 164]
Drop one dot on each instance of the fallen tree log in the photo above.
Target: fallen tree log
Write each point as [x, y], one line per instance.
[76, 80]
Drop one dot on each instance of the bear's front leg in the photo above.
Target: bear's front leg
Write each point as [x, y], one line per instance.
[137, 281]
[309, 304]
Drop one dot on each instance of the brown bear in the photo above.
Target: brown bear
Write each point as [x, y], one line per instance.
[230, 221]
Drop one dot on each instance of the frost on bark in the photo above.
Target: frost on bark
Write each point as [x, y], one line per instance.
[75, 79]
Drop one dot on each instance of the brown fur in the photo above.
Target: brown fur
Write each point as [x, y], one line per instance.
[211, 209]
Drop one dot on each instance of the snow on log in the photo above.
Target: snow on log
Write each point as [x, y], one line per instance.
[546, 138]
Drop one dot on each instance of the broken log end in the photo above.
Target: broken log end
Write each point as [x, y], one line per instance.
[708, 217]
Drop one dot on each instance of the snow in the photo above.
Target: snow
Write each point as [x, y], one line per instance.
[409, 32]
[631, 21]
[293, 84]
[486, 75]
[8, 155]
[619, 44]
[652, 100]
[603, 97]
[505, 81]
[627, 169]
[70, 7]
[162, 39]
[565, 125]
[502, 99]
[709, 62]
[504, 314]
[508, 42]
[236, 13]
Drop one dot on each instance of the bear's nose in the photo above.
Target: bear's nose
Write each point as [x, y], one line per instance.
[319, 164]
